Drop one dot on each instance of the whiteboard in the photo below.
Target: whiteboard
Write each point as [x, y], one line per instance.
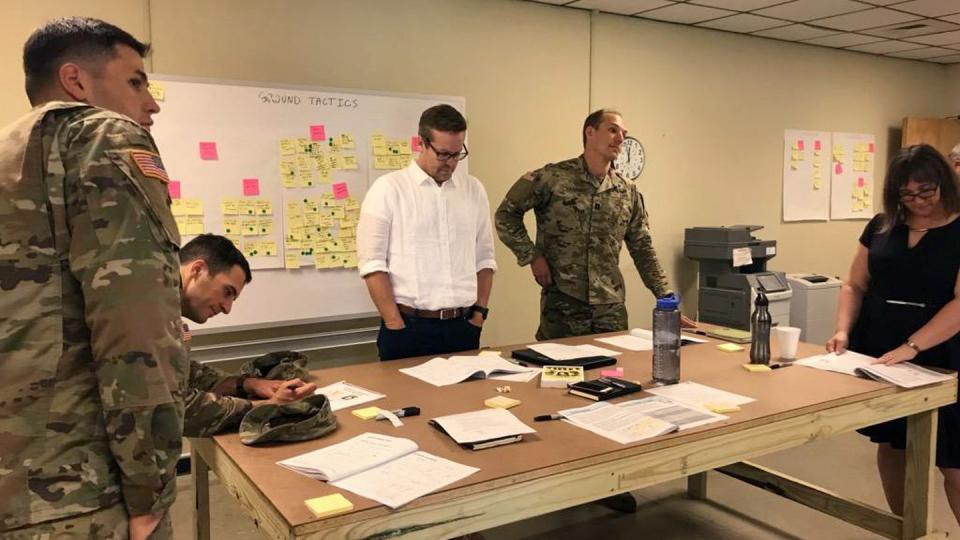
[806, 175]
[224, 145]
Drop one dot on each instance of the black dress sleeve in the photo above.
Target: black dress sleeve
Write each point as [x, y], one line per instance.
[873, 226]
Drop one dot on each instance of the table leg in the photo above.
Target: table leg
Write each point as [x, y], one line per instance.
[201, 485]
[918, 482]
[697, 486]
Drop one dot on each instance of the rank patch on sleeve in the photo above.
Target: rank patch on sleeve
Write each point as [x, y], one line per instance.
[150, 165]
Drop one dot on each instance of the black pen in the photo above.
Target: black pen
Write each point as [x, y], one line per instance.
[612, 382]
[407, 411]
[778, 366]
[547, 417]
[692, 331]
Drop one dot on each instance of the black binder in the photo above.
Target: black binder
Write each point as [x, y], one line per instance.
[530, 356]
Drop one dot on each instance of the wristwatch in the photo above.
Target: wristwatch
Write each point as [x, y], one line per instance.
[240, 392]
[478, 308]
[913, 346]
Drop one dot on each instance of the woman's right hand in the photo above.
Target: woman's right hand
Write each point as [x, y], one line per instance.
[838, 343]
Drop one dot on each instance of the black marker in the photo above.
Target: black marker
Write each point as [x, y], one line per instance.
[778, 366]
[407, 411]
[547, 417]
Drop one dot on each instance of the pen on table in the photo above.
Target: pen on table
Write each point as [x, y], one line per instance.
[608, 380]
[692, 331]
[407, 411]
[778, 366]
[547, 417]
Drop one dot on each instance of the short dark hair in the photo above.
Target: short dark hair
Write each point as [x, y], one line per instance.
[594, 120]
[71, 39]
[441, 118]
[218, 252]
[921, 163]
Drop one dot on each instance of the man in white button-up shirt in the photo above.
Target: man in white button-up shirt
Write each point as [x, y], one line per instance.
[425, 246]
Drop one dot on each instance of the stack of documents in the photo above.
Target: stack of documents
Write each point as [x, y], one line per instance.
[389, 470]
[456, 369]
[481, 429]
[699, 395]
[904, 374]
[639, 419]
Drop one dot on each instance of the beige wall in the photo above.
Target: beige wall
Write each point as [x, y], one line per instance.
[709, 107]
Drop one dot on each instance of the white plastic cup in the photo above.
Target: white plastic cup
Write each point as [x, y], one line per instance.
[788, 339]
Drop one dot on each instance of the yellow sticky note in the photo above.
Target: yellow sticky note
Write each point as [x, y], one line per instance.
[501, 402]
[292, 244]
[230, 207]
[721, 408]
[349, 244]
[194, 225]
[404, 147]
[394, 162]
[233, 238]
[263, 207]
[193, 207]
[381, 162]
[178, 208]
[288, 147]
[304, 146]
[347, 232]
[328, 505]
[337, 212]
[181, 224]
[156, 90]
[251, 249]
[377, 140]
[367, 413]
[288, 174]
[327, 260]
[349, 260]
[231, 226]
[292, 208]
[349, 163]
[729, 347]
[265, 225]
[756, 368]
[246, 207]
[268, 248]
[248, 227]
[291, 260]
[489, 353]
[346, 141]
[335, 162]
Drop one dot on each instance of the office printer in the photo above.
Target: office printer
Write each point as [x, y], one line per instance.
[733, 267]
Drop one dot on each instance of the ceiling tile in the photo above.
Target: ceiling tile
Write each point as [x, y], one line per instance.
[884, 47]
[795, 32]
[926, 52]
[685, 13]
[739, 5]
[743, 22]
[943, 38]
[909, 29]
[804, 10]
[953, 58]
[866, 19]
[842, 40]
[623, 7]
[930, 8]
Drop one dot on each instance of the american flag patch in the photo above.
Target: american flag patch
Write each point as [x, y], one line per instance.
[187, 336]
[150, 165]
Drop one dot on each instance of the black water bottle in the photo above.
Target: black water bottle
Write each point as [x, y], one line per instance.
[760, 323]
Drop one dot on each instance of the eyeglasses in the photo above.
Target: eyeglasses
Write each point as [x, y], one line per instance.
[444, 156]
[924, 194]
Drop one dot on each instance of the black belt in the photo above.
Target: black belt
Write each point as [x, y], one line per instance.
[444, 314]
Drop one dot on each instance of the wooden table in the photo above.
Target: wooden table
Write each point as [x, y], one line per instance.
[562, 466]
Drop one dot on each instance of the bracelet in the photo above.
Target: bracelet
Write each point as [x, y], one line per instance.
[913, 346]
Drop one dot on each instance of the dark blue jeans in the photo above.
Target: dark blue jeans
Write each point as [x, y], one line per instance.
[423, 337]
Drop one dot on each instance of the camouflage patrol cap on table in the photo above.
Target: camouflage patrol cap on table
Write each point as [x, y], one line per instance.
[308, 418]
[279, 365]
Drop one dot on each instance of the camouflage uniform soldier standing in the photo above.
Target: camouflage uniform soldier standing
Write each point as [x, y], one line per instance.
[93, 366]
[585, 211]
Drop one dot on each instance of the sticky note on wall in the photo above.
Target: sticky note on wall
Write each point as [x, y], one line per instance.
[208, 151]
[318, 132]
[251, 187]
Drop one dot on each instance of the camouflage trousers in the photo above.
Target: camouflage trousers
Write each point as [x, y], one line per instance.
[106, 523]
[564, 316]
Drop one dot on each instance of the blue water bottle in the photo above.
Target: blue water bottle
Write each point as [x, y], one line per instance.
[666, 340]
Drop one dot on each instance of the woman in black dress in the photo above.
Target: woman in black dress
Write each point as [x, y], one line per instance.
[901, 303]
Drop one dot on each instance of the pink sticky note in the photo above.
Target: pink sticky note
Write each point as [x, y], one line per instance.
[251, 187]
[208, 151]
[799, 144]
[416, 144]
[174, 188]
[870, 147]
[615, 372]
[839, 168]
[860, 182]
[816, 145]
[340, 191]
[318, 132]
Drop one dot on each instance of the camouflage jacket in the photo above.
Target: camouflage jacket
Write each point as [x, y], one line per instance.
[582, 221]
[93, 368]
[205, 412]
